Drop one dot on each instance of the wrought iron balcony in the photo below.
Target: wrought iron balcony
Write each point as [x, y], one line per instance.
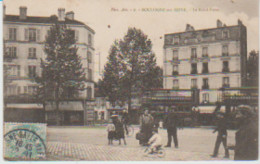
[225, 54]
[225, 85]
[205, 86]
[225, 69]
[194, 71]
[175, 73]
[205, 71]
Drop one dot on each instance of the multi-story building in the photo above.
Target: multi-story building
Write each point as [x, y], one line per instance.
[24, 38]
[207, 59]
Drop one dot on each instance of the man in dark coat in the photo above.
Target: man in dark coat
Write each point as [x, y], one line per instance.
[222, 135]
[246, 147]
[171, 125]
[125, 121]
[146, 125]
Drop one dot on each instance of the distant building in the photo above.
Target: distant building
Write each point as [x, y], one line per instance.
[101, 107]
[24, 38]
[208, 60]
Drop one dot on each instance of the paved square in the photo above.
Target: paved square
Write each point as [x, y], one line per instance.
[88, 143]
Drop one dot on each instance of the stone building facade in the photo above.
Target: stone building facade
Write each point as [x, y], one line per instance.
[24, 38]
[207, 59]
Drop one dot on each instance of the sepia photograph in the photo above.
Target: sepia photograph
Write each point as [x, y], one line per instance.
[136, 80]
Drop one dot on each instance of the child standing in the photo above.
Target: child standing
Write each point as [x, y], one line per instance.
[111, 133]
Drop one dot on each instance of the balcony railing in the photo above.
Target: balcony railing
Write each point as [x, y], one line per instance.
[10, 57]
[194, 87]
[225, 54]
[225, 69]
[175, 73]
[194, 71]
[31, 57]
[225, 85]
[205, 71]
[205, 87]
[193, 56]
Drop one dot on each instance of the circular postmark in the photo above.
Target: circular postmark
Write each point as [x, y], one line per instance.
[24, 144]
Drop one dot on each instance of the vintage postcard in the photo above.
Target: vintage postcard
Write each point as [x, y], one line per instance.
[138, 80]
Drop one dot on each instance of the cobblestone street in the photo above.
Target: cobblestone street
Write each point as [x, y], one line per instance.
[90, 143]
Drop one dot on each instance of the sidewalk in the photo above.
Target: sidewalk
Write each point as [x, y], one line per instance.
[81, 143]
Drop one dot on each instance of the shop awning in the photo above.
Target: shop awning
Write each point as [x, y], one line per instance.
[66, 106]
[210, 109]
[25, 106]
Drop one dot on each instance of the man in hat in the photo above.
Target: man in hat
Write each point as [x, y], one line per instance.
[246, 147]
[222, 134]
[125, 120]
[171, 125]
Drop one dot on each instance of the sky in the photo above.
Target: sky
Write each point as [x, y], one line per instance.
[170, 16]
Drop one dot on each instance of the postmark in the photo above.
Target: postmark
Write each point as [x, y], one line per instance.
[24, 144]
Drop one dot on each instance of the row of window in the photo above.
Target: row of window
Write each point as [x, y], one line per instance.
[225, 35]
[205, 68]
[16, 90]
[11, 52]
[204, 52]
[205, 84]
[15, 70]
[33, 35]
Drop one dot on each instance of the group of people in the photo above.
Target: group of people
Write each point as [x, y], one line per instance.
[117, 128]
[149, 129]
[246, 146]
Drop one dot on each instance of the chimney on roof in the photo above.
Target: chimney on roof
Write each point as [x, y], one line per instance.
[219, 23]
[61, 14]
[70, 15]
[189, 28]
[23, 12]
[239, 22]
[4, 11]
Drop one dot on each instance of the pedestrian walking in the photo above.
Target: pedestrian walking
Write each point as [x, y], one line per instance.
[125, 120]
[146, 127]
[246, 147]
[171, 125]
[120, 131]
[111, 133]
[222, 135]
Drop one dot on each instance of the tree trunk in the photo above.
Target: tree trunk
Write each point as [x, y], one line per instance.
[130, 100]
[57, 106]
